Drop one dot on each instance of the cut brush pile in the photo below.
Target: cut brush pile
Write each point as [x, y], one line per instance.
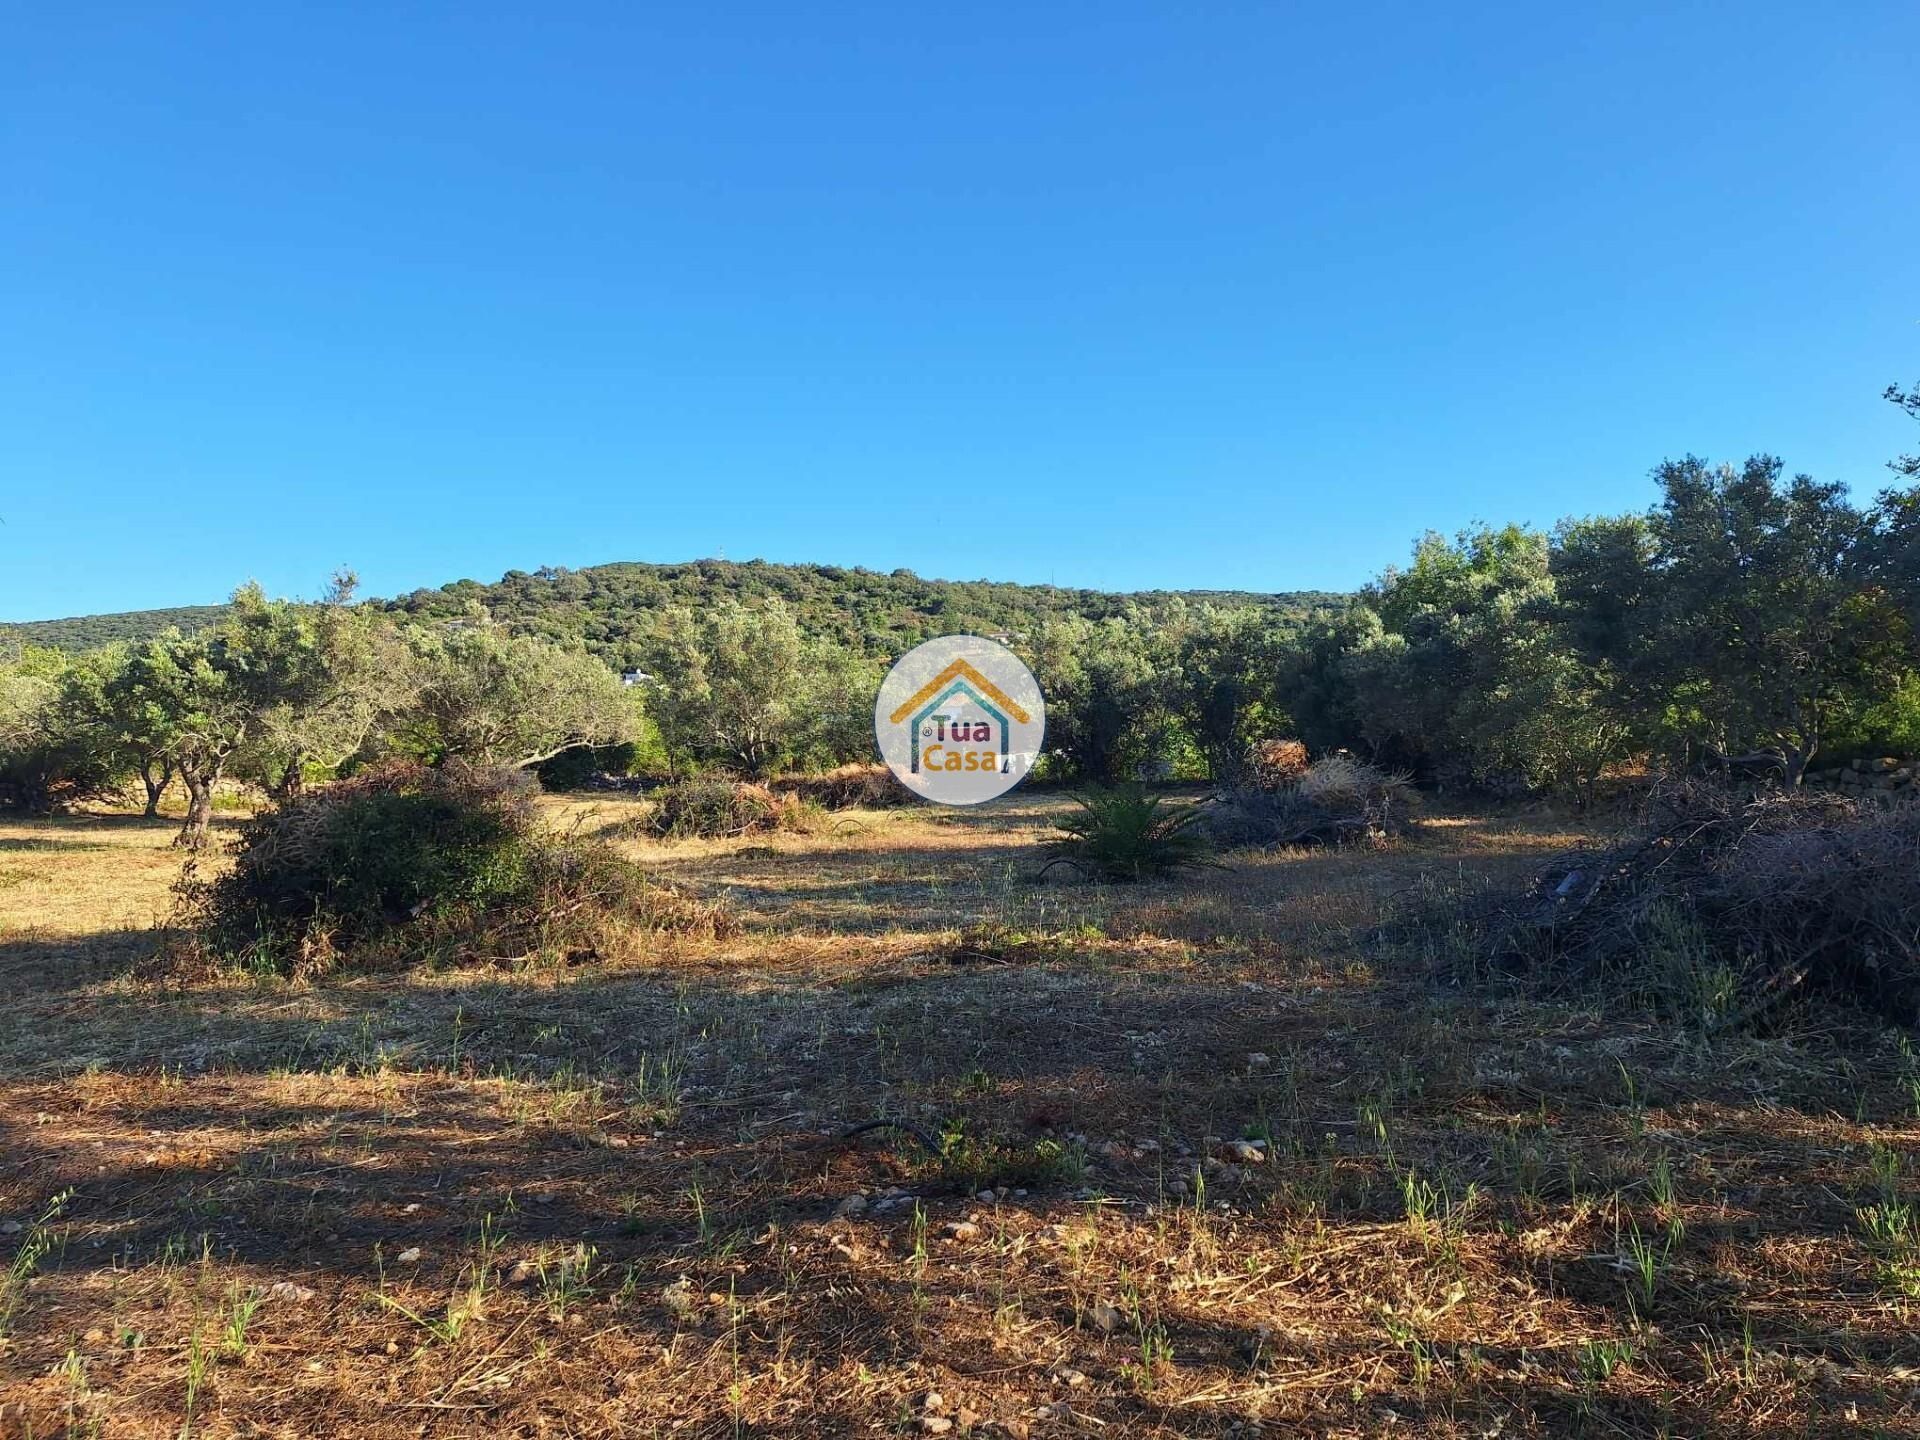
[717, 808]
[1723, 906]
[850, 787]
[1337, 800]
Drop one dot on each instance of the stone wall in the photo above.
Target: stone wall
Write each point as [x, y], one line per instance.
[1862, 776]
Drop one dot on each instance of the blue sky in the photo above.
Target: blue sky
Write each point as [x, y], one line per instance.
[1239, 295]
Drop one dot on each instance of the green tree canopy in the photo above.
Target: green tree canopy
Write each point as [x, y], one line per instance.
[483, 694]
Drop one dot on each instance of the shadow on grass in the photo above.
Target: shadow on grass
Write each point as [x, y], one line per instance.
[43, 845]
[33, 972]
[330, 1189]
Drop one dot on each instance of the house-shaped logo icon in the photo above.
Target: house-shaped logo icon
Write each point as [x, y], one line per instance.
[959, 719]
[958, 684]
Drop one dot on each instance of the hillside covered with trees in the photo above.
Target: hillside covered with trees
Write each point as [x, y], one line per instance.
[1747, 621]
[610, 608]
[88, 632]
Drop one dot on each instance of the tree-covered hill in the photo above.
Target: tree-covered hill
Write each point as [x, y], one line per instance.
[88, 632]
[868, 610]
[608, 606]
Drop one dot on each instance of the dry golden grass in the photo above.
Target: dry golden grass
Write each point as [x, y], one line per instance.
[613, 1200]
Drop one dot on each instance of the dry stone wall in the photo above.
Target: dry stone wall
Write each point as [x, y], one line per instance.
[1886, 775]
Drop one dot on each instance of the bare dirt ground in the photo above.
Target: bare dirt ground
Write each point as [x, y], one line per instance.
[1215, 1164]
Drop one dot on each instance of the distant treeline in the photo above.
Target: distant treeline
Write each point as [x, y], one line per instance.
[87, 632]
[611, 608]
[1746, 621]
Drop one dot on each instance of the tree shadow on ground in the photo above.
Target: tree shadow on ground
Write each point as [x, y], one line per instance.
[36, 972]
[692, 1258]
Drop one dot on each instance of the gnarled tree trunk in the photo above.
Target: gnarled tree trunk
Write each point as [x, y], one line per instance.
[195, 833]
[156, 775]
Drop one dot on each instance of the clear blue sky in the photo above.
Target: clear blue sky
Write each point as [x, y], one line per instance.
[1127, 295]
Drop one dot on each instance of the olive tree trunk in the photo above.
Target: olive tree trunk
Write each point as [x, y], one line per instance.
[195, 833]
[156, 776]
[293, 779]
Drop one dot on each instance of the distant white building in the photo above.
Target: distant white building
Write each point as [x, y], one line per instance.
[635, 677]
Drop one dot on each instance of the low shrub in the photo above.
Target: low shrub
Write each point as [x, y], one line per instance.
[1128, 833]
[1336, 800]
[850, 787]
[969, 1162]
[1722, 906]
[405, 864]
[714, 808]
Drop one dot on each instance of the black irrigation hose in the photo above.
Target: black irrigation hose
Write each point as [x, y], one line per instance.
[905, 1127]
[1074, 861]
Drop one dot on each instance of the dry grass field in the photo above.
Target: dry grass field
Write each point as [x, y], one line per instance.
[1214, 1164]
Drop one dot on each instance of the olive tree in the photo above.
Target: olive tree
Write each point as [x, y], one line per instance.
[1909, 401]
[837, 692]
[1462, 668]
[364, 673]
[729, 685]
[200, 698]
[482, 694]
[1457, 661]
[1106, 686]
[1220, 682]
[99, 703]
[1769, 619]
[42, 759]
[1896, 522]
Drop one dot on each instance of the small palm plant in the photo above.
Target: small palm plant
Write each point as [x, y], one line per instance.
[1124, 833]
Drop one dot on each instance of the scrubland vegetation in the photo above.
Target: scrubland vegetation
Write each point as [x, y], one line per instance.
[1747, 624]
[1448, 1013]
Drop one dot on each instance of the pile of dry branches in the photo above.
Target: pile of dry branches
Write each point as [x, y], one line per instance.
[850, 787]
[717, 808]
[1337, 800]
[1775, 894]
